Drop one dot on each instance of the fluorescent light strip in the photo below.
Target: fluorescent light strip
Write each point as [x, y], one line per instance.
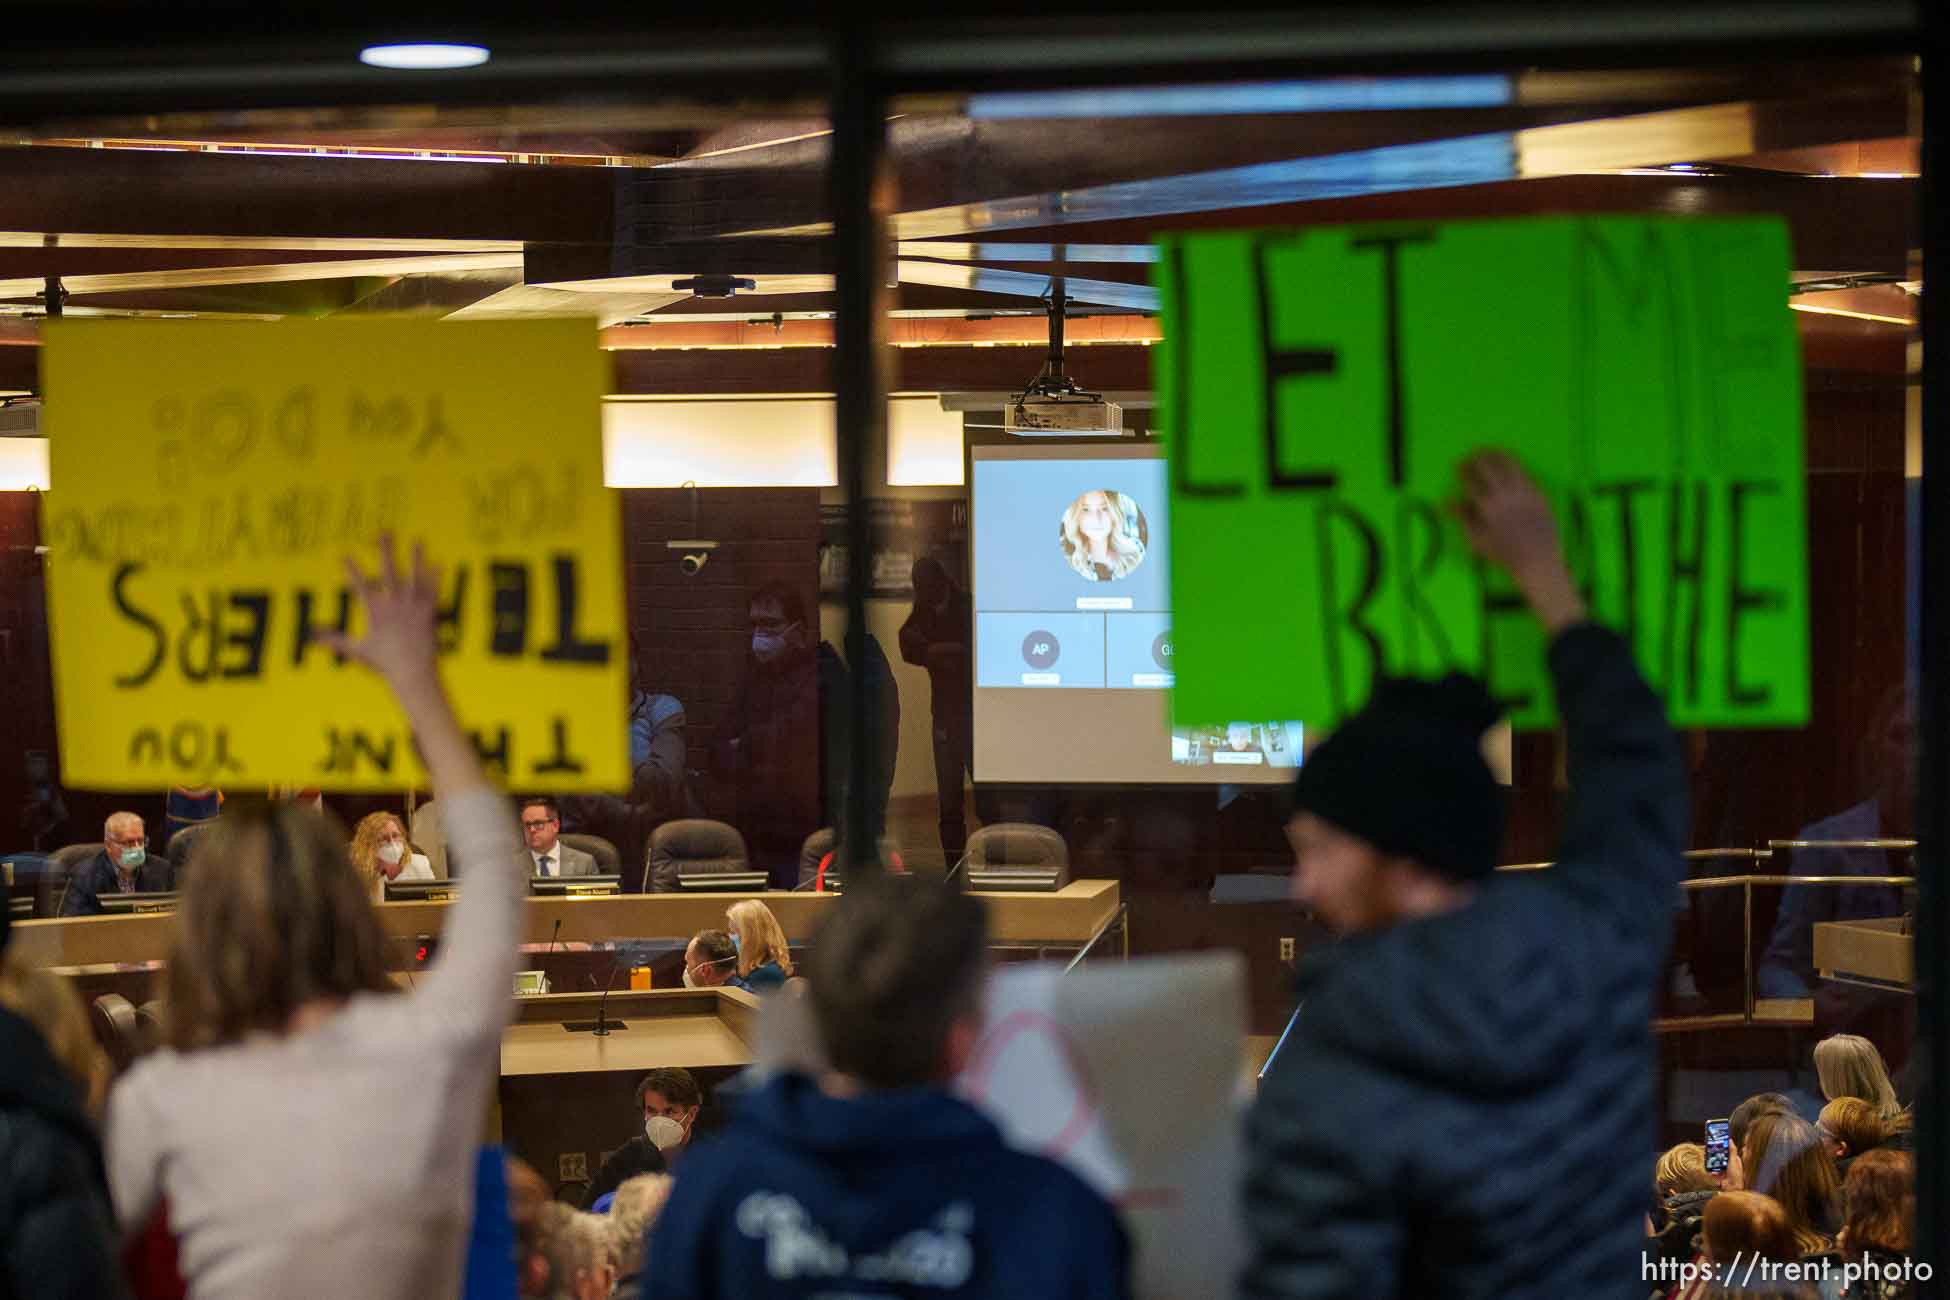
[1430, 164]
[428, 56]
[1351, 95]
[1852, 315]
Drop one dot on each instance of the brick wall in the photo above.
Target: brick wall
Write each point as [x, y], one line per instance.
[692, 632]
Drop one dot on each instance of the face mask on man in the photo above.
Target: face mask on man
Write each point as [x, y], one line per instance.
[690, 982]
[133, 858]
[768, 646]
[663, 1131]
[391, 852]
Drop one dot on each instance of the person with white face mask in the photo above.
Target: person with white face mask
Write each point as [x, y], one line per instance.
[124, 866]
[379, 847]
[669, 1100]
[711, 961]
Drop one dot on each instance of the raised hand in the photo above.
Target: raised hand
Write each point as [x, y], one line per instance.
[1509, 522]
[399, 642]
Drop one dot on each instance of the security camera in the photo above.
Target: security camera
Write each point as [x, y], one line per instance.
[696, 555]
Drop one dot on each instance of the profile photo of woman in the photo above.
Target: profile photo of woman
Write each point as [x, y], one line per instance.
[1104, 536]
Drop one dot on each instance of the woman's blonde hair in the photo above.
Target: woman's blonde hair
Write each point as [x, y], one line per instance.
[1849, 1065]
[760, 937]
[50, 1004]
[365, 840]
[275, 917]
[1126, 542]
[1786, 1159]
[1855, 1123]
[1683, 1169]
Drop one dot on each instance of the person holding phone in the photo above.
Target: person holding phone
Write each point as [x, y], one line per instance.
[1681, 1186]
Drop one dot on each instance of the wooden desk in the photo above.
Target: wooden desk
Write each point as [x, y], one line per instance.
[694, 1028]
[1873, 951]
[565, 1100]
[1065, 917]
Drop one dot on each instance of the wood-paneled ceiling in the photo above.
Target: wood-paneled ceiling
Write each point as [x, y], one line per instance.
[608, 212]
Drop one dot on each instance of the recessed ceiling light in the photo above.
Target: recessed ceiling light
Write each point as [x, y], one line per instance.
[424, 57]
[1683, 167]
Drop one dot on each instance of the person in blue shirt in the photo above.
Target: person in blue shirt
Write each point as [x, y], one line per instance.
[874, 1179]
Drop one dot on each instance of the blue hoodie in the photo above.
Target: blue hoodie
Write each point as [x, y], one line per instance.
[908, 1192]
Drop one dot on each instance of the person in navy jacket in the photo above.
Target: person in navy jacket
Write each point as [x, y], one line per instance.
[1466, 1089]
[875, 1180]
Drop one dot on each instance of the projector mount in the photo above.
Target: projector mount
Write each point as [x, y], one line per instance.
[1051, 384]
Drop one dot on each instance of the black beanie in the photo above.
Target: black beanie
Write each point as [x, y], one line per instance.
[1407, 775]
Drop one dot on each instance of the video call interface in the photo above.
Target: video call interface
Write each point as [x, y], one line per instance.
[1073, 653]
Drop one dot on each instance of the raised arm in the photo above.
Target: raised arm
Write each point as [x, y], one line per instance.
[471, 986]
[1624, 825]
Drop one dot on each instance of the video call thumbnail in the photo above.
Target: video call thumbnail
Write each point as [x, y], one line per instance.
[1082, 534]
[1137, 651]
[1039, 650]
[1069, 554]
[1238, 744]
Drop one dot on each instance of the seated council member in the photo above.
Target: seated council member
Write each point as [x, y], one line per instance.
[764, 957]
[541, 824]
[312, 1126]
[711, 961]
[124, 866]
[381, 853]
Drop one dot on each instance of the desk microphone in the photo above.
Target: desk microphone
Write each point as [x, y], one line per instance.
[601, 1025]
[551, 937]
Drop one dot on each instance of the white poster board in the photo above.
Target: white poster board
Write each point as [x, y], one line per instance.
[1128, 1073]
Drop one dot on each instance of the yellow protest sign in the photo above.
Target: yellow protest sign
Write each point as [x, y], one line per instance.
[208, 479]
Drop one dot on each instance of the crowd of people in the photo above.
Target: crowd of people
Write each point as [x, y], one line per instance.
[1814, 1211]
[1445, 1120]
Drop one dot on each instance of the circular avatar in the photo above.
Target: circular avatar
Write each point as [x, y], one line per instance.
[1040, 650]
[1104, 536]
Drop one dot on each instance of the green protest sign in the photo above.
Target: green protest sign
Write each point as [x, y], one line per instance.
[1318, 387]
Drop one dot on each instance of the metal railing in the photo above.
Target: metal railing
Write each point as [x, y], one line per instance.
[1118, 920]
[1747, 880]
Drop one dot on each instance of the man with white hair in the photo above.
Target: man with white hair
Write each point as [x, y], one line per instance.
[124, 866]
[632, 1213]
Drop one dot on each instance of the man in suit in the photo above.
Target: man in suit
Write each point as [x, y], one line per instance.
[124, 866]
[541, 826]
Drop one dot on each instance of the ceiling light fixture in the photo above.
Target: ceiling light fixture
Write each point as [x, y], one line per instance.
[424, 57]
[1813, 310]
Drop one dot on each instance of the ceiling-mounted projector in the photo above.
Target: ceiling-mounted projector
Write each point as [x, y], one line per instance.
[1051, 404]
